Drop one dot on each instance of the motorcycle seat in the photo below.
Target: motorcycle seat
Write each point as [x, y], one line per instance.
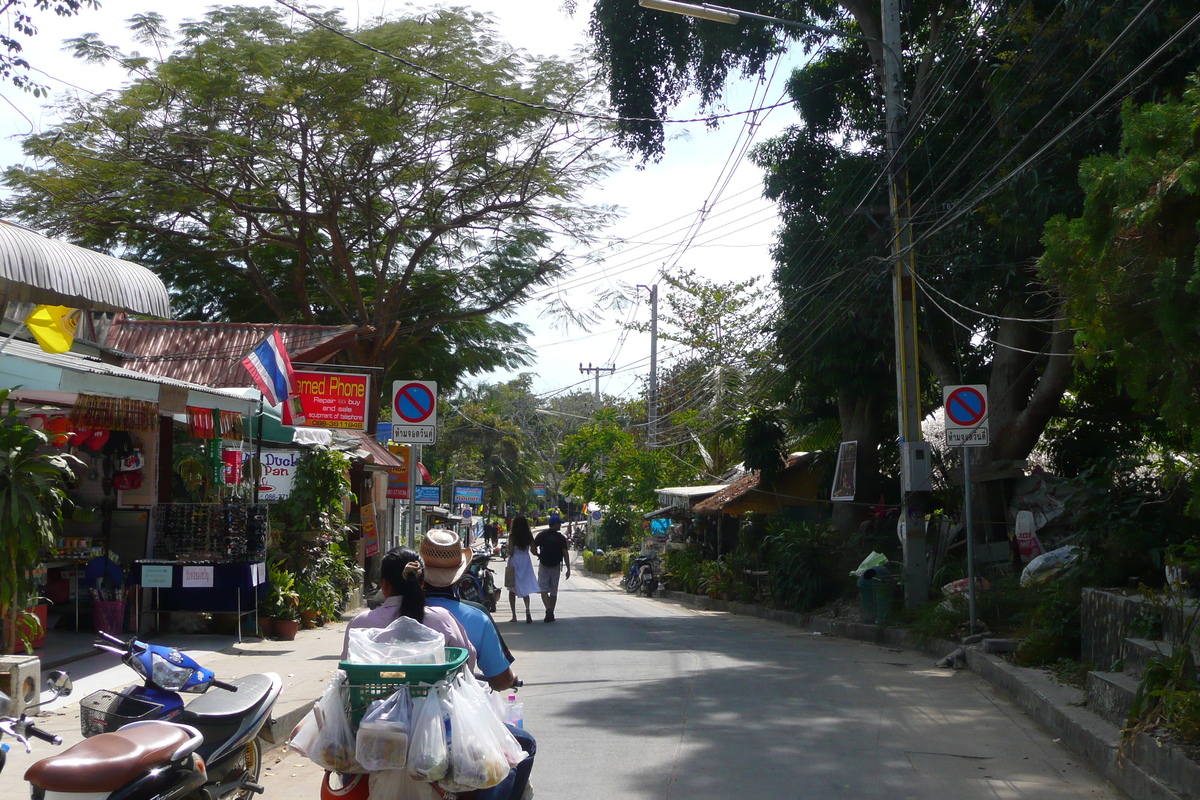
[217, 706]
[107, 762]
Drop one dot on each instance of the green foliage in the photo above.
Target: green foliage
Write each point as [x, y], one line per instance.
[1129, 262]
[19, 22]
[682, 568]
[281, 601]
[1054, 631]
[33, 497]
[319, 491]
[615, 562]
[266, 167]
[807, 564]
[1169, 693]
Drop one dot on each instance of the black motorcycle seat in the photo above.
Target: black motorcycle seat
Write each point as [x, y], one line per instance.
[107, 762]
[218, 705]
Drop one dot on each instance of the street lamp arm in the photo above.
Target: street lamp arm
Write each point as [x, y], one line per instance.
[731, 16]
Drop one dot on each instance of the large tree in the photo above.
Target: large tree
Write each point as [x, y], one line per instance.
[280, 167]
[995, 94]
[20, 23]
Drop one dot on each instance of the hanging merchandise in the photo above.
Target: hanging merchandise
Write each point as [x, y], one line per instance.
[130, 462]
[114, 413]
[127, 481]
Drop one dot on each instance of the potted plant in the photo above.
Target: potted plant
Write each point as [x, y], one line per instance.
[281, 604]
[33, 497]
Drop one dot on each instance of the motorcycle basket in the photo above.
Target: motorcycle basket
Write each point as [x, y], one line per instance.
[105, 711]
[371, 682]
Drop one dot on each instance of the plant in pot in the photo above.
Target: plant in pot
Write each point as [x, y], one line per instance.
[281, 605]
[33, 498]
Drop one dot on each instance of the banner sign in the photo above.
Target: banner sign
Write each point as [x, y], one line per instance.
[539, 490]
[397, 483]
[156, 576]
[278, 472]
[467, 495]
[331, 400]
[845, 481]
[197, 577]
[370, 536]
[428, 495]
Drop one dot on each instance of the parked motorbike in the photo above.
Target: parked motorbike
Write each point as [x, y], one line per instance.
[478, 584]
[21, 728]
[227, 724]
[642, 576]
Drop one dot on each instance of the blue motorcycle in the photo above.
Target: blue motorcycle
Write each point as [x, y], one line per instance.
[229, 721]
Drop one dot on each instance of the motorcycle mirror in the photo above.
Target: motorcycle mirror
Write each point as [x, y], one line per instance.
[60, 683]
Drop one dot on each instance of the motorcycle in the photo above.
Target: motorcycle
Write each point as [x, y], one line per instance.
[144, 761]
[642, 576]
[227, 724]
[478, 584]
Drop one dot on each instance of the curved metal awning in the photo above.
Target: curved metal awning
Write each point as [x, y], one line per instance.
[35, 269]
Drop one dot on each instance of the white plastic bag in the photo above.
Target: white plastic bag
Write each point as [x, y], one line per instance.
[428, 757]
[472, 692]
[405, 641]
[304, 736]
[334, 745]
[1048, 565]
[477, 760]
[382, 740]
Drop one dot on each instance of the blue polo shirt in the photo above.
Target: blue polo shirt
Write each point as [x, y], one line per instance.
[480, 630]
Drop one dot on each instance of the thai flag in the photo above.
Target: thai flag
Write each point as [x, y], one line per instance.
[271, 369]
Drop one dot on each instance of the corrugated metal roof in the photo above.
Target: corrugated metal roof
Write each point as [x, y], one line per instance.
[211, 353]
[73, 362]
[36, 269]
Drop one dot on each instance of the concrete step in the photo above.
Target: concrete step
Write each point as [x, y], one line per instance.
[1110, 694]
[1137, 653]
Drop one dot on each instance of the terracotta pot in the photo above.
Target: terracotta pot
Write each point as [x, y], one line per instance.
[285, 629]
[308, 619]
[267, 626]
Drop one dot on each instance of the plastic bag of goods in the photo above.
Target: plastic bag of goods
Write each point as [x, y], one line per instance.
[428, 757]
[476, 759]
[382, 739]
[1048, 565]
[474, 694]
[334, 746]
[405, 641]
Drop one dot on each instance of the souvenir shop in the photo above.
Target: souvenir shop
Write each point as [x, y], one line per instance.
[161, 519]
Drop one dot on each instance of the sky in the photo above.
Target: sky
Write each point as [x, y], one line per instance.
[700, 208]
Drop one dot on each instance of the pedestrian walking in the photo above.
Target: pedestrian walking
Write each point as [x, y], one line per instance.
[519, 576]
[553, 553]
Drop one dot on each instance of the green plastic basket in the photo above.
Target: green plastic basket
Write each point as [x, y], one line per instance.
[370, 682]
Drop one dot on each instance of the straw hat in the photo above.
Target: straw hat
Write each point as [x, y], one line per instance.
[445, 558]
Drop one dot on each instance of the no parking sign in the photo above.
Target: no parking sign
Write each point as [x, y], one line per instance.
[966, 415]
[595, 517]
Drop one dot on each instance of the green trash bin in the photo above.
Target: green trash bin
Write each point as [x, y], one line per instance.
[875, 595]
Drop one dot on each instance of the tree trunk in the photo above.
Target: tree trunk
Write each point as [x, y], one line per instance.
[862, 421]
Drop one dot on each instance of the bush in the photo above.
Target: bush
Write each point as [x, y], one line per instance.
[806, 562]
[681, 569]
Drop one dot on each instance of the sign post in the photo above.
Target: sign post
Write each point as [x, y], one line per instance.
[967, 426]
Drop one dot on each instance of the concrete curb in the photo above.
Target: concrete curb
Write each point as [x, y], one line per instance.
[1149, 770]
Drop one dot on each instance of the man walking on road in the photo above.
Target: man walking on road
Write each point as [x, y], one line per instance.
[551, 548]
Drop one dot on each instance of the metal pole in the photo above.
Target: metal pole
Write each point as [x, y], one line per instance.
[255, 476]
[652, 405]
[414, 453]
[966, 451]
[904, 304]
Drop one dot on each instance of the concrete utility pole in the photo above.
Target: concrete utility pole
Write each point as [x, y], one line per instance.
[652, 398]
[904, 294]
[597, 370]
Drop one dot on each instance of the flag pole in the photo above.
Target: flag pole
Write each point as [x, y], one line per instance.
[258, 450]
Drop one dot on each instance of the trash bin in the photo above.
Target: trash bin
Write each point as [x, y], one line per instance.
[109, 616]
[875, 595]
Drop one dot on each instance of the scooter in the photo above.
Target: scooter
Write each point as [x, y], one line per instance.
[227, 723]
[144, 761]
[642, 576]
[478, 584]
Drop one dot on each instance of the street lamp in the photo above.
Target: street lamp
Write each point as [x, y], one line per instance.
[904, 295]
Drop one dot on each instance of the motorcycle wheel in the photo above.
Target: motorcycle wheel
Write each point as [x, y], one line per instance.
[631, 584]
[252, 765]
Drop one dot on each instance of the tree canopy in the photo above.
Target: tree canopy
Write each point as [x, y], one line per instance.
[274, 167]
[14, 67]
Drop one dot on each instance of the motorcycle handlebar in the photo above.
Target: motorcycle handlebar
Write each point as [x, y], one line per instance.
[38, 733]
[229, 687]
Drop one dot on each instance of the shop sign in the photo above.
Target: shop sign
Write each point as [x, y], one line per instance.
[539, 490]
[331, 400]
[397, 483]
[156, 576]
[467, 495]
[370, 536]
[278, 472]
[197, 577]
[428, 495]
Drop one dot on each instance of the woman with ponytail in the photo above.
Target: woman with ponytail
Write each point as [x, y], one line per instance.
[401, 577]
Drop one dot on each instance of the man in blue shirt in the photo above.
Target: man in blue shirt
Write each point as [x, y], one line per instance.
[445, 561]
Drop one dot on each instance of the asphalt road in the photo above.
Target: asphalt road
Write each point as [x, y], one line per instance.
[632, 697]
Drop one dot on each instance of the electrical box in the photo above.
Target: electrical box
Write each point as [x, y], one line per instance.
[915, 467]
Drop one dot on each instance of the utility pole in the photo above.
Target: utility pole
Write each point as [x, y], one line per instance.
[652, 397]
[904, 295]
[597, 370]
[904, 305]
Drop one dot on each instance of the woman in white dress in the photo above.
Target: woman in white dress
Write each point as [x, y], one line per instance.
[519, 576]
